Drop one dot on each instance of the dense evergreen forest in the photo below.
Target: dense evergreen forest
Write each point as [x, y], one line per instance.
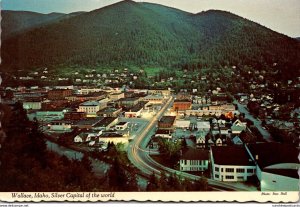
[143, 34]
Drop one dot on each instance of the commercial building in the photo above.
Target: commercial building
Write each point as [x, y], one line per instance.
[167, 123]
[194, 160]
[182, 105]
[59, 94]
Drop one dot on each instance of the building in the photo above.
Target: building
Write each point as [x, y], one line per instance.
[154, 99]
[128, 102]
[88, 123]
[32, 105]
[231, 163]
[59, 94]
[164, 93]
[116, 96]
[237, 127]
[121, 125]
[115, 138]
[95, 96]
[277, 166]
[105, 123]
[135, 111]
[166, 123]
[109, 112]
[203, 126]
[182, 105]
[60, 125]
[163, 133]
[47, 116]
[184, 124]
[194, 160]
[85, 91]
[90, 108]
[74, 115]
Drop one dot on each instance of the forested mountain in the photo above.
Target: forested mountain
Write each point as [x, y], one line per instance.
[14, 22]
[143, 34]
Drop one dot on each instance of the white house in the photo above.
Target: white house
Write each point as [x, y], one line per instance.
[277, 166]
[219, 142]
[231, 163]
[194, 160]
[86, 136]
[200, 139]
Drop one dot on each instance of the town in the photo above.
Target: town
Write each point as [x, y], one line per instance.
[246, 140]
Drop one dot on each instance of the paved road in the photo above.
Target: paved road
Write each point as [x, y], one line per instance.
[139, 156]
[266, 135]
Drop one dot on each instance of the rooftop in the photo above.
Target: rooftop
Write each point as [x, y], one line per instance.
[105, 121]
[89, 121]
[90, 103]
[195, 154]
[231, 155]
[273, 153]
[293, 173]
[167, 119]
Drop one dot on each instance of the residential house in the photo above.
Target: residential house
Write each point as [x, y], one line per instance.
[238, 126]
[231, 163]
[203, 126]
[194, 160]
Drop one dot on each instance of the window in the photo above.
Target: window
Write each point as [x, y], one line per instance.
[216, 169]
[240, 170]
[240, 177]
[249, 170]
[216, 176]
[229, 177]
[221, 169]
[229, 170]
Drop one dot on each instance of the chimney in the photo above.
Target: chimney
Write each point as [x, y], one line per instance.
[256, 157]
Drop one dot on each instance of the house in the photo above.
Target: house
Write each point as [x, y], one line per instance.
[203, 126]
[163, 133]
[121, 125]
[194, 160]
[135, 111]
[166, 123]
[237, 141]
[219, 142]
[238, 126]
[86, 137]
[231, 163]
[59, 94]
[277, 165]
[105, 123]
[109, 112]
[90, 108]
[182, 105]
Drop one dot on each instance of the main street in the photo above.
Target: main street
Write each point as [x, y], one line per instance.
[139, 156]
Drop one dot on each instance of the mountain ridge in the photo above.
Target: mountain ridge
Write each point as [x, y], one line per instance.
[130, 33]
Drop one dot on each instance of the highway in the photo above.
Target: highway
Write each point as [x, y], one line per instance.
[139, 156]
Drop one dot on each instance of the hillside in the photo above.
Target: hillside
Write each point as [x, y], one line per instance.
[143, 34]
[14, 22]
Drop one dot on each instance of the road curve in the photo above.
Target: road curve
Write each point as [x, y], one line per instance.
[139, 156]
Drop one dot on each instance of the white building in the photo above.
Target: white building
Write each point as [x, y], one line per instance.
[231, 163]
[182, 123]
[277, 166]
[194, 160]
[116, 96]
[203, 125]
[121, 126]
[35, 105]
[154, 99]
[60, 126]
[90, 108]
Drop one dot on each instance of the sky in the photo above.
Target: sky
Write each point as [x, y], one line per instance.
[279, 15]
